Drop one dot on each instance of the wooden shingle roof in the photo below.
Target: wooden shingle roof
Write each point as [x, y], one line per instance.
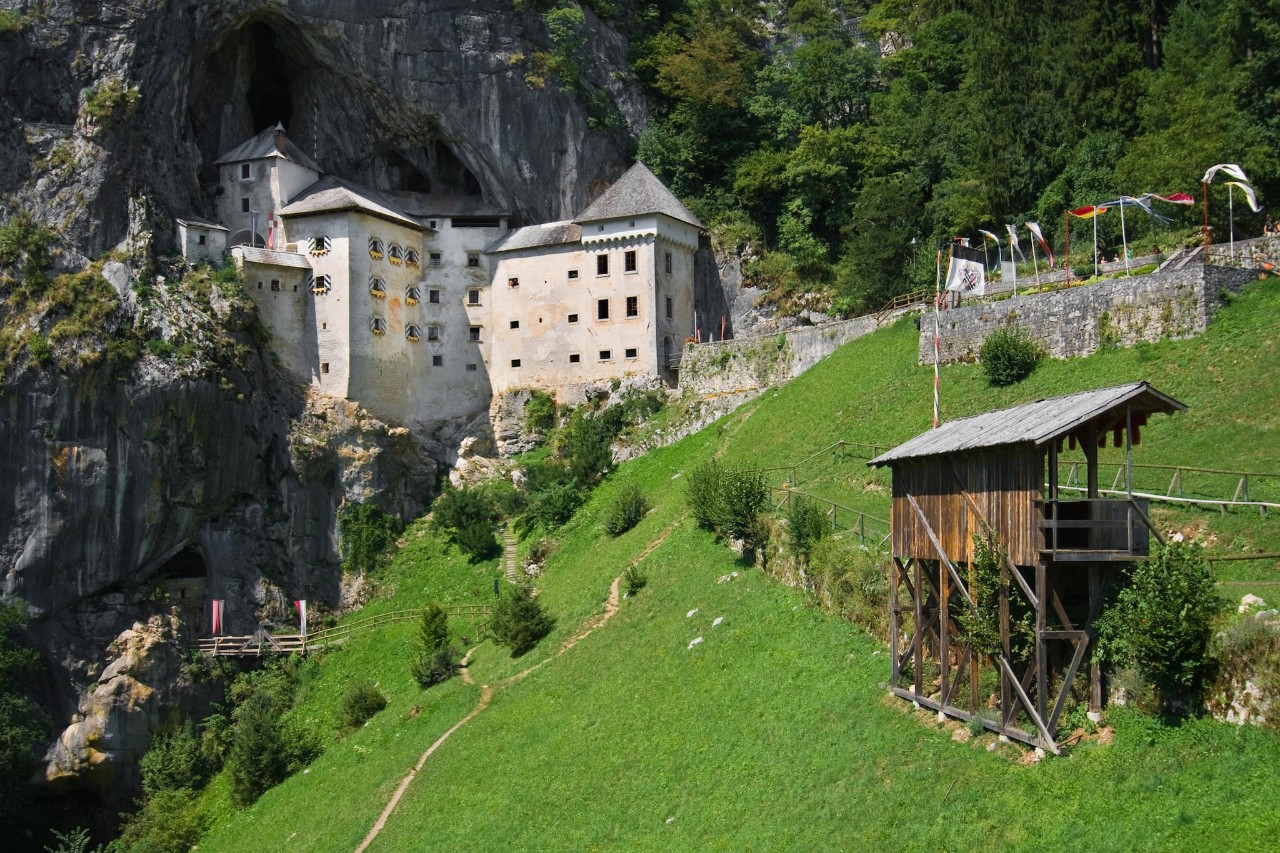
[1037, 423]
[636, 193]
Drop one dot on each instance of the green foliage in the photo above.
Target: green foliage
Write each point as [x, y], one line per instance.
[518, 621]
[454, 509]
[10, 22]
[160, 348]
[433, 661]
[366, 532]
[1009, 355]
[807, 525]
[704, 491]
[258, 759]
[105, 101]
[75, 841]
[980, 631]
[360, 702]
[554, 504]
[540, 412]
[169, 822]
[635, 579]
[728, 500]
[853, 582]
[174, 761]
[1162, 621]
[477, 540]
[626, 511]
[22, 724]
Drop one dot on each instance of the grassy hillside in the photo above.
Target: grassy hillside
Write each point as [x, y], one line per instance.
[775, 731]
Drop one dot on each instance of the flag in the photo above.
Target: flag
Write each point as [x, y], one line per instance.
[301, 604]
[1034, 228]
[1088, 212]
[1176, 198]
[1248, 193]
[271, 230]
[1013, 241]
[965, 272]
[217, 615]
[1230, 169]
[989, 235]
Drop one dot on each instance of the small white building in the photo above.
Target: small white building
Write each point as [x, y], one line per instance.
[388, 299]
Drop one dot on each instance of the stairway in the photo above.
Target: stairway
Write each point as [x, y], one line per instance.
[509, 556]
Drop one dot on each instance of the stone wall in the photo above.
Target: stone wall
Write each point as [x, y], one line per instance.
[1260, 253]
[753, 363]
[1079, 321]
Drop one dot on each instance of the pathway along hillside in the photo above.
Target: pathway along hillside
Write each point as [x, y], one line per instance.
[487, 692]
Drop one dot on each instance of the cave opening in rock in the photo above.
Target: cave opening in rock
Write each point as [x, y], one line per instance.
[268, 95]
[187, 564]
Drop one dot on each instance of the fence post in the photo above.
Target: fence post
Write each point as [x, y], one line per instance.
[862, 528]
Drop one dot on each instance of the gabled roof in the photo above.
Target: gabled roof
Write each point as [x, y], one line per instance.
[264, 145]
[272, 257]
[201, 223]
[331, 194]
[533, 236]
[636, 193]
[1039, 422]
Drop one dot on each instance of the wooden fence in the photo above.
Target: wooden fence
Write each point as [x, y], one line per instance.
[854, 520]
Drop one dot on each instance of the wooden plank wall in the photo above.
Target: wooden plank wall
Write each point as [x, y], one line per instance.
[1004, 483]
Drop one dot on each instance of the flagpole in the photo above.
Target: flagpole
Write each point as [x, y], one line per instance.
[1095, 242]
[1231, 217]
[1066, 248]
[1013, 264]
[1124, 240]
[1035, 263]
[937, 332]
[1204, 189]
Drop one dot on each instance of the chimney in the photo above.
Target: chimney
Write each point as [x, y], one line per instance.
[280, 137]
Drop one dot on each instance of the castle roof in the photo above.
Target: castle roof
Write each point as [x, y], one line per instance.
[636, 193]
[264, 145]
[272, 257]
[533, 236]
[331, 194]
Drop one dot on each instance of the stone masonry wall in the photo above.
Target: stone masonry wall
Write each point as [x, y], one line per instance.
[1260, 253]
[1076, 322]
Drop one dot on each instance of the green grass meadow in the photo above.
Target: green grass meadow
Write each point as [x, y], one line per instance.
[775, 732]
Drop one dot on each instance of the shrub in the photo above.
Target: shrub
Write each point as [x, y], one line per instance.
[1009, 355]
[518, 621]
[1161, 621]
[38, 349]
[173, 761]
[258, 759]
[22, 725]
[476, 539]
[454, 509]
[170, 822]
[625, 513]
[434, 661]
[360, 702]
[745, 497]
[553, 505]
[539, 412]
[705, 495]
[366, 532]
[808, 526]
[634, 579]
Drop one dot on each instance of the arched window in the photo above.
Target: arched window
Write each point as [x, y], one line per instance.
[412, 333]
[320, 245]
[412, 296]
[378, 326]
[411, 259]
[375, 248]
[321, 284]
[395, 255]
[377, 289]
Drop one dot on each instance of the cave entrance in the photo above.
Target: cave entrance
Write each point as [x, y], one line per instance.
[185, 577]
[268, 96]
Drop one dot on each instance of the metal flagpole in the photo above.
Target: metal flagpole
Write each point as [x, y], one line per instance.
[1035, 262]
[1095, 241]
[1204, 189]
[1124, 240]
[1231, 216]
[937, 333]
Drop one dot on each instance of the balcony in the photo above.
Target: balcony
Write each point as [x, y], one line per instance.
[1096, 529]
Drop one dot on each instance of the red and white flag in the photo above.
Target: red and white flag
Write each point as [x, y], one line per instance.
[271, 230]
[1176, 198]
[217, 615]
[1230, 169]
[1035, 232]
[301, 604]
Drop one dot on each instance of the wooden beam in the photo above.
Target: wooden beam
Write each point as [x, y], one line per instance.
[1031, 712]
[942, 555]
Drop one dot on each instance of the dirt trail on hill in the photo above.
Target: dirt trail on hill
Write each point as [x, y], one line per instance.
[487, 692]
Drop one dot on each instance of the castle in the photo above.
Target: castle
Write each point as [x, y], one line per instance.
[424, 307]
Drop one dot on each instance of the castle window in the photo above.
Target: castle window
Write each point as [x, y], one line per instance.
[377, 325]
[513, 282]
[324, 367]
[606, 355]
[411, 295]
[324, 325]
[669, 308]
[244, 205]
[437, 361]
[667, 261]
[515, 362]
[275, 285]
[632, 352]
[434, 259]
[433, 296]
[573, 274]
[515, 324]
[473, 296]
[246, 171]
[471, 368]
[321, 285]
[412, 333]
[295, 288]
[574, 358]
[411, 259]
[629, 261]
[200, 240]
[473, 334]
[433, 333]
[395, 254]
[431, 224]
[259, 285]
[377, 288]
[321, 245]
[602, 309]
[375, 248]
[602, 264]
[633, 306]
[473, 260]
[573, 318]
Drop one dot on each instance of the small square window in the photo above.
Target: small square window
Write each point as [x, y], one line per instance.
[667, 261]
[629, 260]
[295, 288]
[573, 318]
[259, 285]
[433, 333]
[471, 368]
[515, 324]
[434, 259]
[602, 309]
[437, 361]
[473, 296]
[602, 264]
[574, 358]
[573, 274]
[244, 205]
[670, 312]
[513, 282]
[632, 352]
[324, 367]
[246, 171]
[275, 285]
[324, 326]
[433, 296]
[515, 362]
[431, 223]
[473, 334]
[200, 240]
[633, 306]
[473, 260]
[605, 354]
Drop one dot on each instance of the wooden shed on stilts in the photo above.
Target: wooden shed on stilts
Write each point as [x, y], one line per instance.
[994, 477]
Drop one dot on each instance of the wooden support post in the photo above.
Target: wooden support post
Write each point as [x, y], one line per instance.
[1095, 669]
[1042, 650]
[944, 646]
[918, 652]
[895, 568]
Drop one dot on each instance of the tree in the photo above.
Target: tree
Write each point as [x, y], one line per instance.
[366, 532]
[518, 621]
[22, 725]
[258, 758]
[434, 661]
[808, 525]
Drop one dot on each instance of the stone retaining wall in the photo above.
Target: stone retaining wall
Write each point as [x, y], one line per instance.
[1260, 253]
[1070, 323]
